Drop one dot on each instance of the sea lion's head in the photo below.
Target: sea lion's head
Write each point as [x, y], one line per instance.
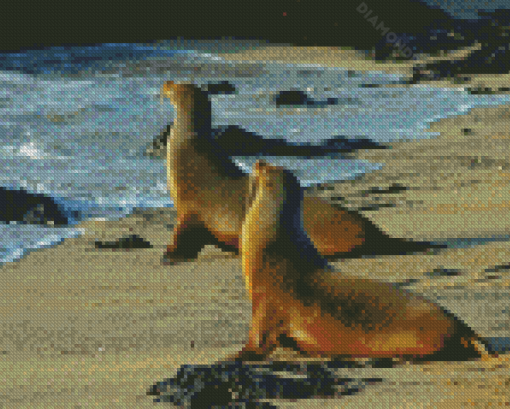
[269, 182]
[277, 183]
[174, 91]
[179, 93]
[258, 175]
[191, 103]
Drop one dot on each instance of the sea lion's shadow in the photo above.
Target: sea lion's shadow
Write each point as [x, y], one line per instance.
[436, 247]
[244, 385]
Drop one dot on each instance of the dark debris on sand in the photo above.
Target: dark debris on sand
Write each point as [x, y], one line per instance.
[130, 242]
[240, 385]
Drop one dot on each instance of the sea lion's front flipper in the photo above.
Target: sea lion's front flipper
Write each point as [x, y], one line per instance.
[256, 351]
[190, 237]
[264, 335]
[246, 355]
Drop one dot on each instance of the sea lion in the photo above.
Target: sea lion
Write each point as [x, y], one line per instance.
[297, 301]
[208, 190]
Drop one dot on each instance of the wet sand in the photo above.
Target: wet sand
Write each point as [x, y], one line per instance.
[87, 327]
[360, 61]
[335, 57]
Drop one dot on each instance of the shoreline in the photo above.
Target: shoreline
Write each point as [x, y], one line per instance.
[357, 61]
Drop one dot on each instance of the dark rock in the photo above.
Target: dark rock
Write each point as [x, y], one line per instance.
[292, 98]
[222, 87]
[29, 208]
[130, 242]
[493, 58]
[433, 39]
[300, 98]
[385, 49]
[492, 31]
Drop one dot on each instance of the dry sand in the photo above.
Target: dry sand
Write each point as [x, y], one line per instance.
[82, 327]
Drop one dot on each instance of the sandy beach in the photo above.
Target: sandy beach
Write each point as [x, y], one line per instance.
[87, 327]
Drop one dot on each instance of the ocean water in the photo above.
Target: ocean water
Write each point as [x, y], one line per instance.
[74, 122]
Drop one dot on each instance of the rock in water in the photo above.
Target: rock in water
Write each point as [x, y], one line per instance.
[29, 208]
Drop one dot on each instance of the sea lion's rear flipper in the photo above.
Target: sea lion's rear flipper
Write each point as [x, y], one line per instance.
[190, 237]
[265, 333]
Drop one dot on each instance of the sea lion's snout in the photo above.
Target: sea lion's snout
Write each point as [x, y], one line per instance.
[167, 91]
[260, 165]
[168, 86]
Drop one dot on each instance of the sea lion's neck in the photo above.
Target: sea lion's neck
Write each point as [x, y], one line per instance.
[192, 154]
[193, 115]
[273, 234]
[299, 249]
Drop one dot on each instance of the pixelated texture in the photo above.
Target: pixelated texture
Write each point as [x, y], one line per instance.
[387, 289]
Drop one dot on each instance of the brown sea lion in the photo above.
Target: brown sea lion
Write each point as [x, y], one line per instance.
[297, 301]
[208, 191]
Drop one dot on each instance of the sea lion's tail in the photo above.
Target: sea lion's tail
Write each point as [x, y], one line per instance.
[463, 344]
